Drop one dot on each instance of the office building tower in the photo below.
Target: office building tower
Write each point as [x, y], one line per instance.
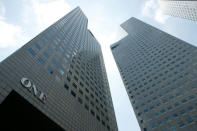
[57, 82]
[186, 9]
[159, 72]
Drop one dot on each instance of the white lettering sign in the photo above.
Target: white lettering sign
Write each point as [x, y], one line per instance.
[32, 88]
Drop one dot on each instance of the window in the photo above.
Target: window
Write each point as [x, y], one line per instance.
[184, 101]
[66, 86]
[171, 97]
[50, 50]
[41, 61]
[163, 111]
[103, 122]
[192, 87]
[160, 123]
[176, 104]
[158, 104]
[37, 46]
[167, 119]
[165, 101]
[57, 79]
[68, 78]
[87, 98]
[53, 46]
[146, 110]
[49, 70]
[45, 55]
[181, 124]
[189, 120]
[190, 108]
[42, 42]
[53, 63]
[75, 78]
[31, 51]
[63, 65]
[149, 118]
[98, 118]
[61, 71]
[59, 52]
[86, 106]
[153, 125]
[65, 59]
[92, 112]
[73, 93]
[182, 112]
[56, 57]
[156, 114]
[74, 85]
[80, 100]
[173, 128]
[175, 115]
[169, 107]
[191, 97]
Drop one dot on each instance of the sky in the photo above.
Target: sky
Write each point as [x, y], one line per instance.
[21, 20]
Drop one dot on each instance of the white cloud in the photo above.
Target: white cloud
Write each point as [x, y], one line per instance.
[160, 17]
[43, 12]
[152, 9]
[11, 35]
[49, 12]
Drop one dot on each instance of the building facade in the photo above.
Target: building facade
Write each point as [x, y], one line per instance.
[57, 81]
[186, 9]
[159, 73]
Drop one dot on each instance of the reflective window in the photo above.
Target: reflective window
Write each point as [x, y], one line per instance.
[163, 111]
[160, 123]
[181, 124]
[56, 57]
[63, 65]
[31, 51]
[153, 125]
[45, 55]
[175, 115]
[37, 46]
[61, 71]
[190, 108]
[182, 112]
[42, 42]
[41, 61]
[167, 119]
[49, 70]
[156, 114]
[50, 50]
[57, 79]
[169, 107]
[53, 63]
[189, 120]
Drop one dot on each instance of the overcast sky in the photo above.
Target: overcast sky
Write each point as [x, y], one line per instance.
[21, 20]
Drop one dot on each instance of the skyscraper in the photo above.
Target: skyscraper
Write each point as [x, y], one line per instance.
[180, 8]
[57, 81]
[159, 73]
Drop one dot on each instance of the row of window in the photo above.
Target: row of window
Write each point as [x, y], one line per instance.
[80, 100]
[181, 124]
[171, 98]
[74, 85]
[46, 54]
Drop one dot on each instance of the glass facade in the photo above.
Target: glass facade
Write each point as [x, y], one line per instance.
[66, 62]
[179, 8]
[159, 74]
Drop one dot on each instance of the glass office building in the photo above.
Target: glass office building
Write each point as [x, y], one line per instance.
[159, 72]
[186, 9]
[57, 81]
